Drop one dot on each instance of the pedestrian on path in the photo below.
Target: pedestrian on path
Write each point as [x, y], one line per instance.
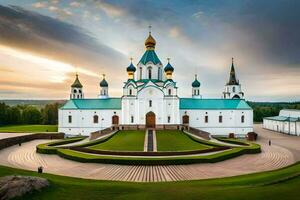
[270, 142]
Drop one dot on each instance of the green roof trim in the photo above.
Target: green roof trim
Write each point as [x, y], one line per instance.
[150, 56]
[283, 118]
[213, 104]
[88, 104]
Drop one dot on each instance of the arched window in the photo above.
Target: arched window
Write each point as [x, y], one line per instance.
[198, 92]
[169, 119]
[74, 90]
[79, 91]
[195, 92]
[130, 91]
[233, 89]
[169, 91]
[70, 118]
[78, 96]
[132, 119]
[242, 118]
[149, 73]
[220, 119]
[96, 119]
[206, 119]
[140, 72]
[150, 103]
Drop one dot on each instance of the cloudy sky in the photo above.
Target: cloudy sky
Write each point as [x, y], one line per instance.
[43, 44]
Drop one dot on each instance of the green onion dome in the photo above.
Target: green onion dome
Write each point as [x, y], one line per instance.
[196, 83]
[169, 67]
[103, 83]
[131, 68]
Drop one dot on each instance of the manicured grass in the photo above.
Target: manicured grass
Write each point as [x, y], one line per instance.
[276, 185]
[123, 141]
[174, 140]
[28, 128]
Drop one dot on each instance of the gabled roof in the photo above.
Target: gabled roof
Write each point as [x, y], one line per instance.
[213, 104]
[110, 103]
[150, 56]
[283, 118]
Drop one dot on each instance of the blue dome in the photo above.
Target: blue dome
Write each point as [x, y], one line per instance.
[169, 67]
[131, 68]
[196, 83]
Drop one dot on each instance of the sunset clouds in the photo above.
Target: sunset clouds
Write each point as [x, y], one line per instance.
[43, 43]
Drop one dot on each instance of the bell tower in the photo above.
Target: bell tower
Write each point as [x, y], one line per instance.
[233, 89]
[76, 89]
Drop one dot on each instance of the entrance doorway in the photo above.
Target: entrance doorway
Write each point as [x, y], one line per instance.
[185, 119]
[115, 120]
[150, 120]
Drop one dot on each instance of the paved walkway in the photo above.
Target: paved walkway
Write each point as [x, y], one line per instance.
[280, 154]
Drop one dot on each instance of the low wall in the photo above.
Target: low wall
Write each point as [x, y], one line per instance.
[200, 133]
[100, 133]
[7, 142]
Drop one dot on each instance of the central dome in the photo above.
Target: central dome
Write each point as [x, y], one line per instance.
[150, 42]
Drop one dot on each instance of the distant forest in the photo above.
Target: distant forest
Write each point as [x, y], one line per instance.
[266, 109]
[46, 111]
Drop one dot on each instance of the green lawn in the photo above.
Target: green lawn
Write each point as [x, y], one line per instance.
[276, 185]
[124, 141]
[28, 128]
[174, 140]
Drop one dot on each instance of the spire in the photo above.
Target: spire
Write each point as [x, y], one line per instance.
[76, 83]
[232, 77]
[150, 41]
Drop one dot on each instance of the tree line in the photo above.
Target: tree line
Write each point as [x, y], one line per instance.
[266, 109]
[27, 114]
[48, 114]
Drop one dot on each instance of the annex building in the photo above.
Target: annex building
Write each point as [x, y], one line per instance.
[288, 122]
[150, 100]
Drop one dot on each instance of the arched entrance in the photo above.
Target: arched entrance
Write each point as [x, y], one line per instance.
[150, 120]
[185, 119]
[115, 120]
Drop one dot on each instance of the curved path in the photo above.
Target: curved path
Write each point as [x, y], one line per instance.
[272, 157]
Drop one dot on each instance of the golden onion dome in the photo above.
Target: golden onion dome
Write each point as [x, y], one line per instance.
[150, 42]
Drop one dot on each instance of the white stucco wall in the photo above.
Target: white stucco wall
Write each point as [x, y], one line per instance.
[138, 106]
[231, 122]
[83, 121]
[292, 128]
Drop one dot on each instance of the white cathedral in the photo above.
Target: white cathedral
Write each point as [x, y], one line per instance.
[150, 100]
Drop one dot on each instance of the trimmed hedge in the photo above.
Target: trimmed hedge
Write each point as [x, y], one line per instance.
[96, 141]
[232, 141]
[90, 158]
[48, 148]
[203, 141]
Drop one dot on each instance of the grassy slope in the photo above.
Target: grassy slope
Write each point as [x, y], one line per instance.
[239, 187]
[28, 128]
[174, 140]
[124, 141]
